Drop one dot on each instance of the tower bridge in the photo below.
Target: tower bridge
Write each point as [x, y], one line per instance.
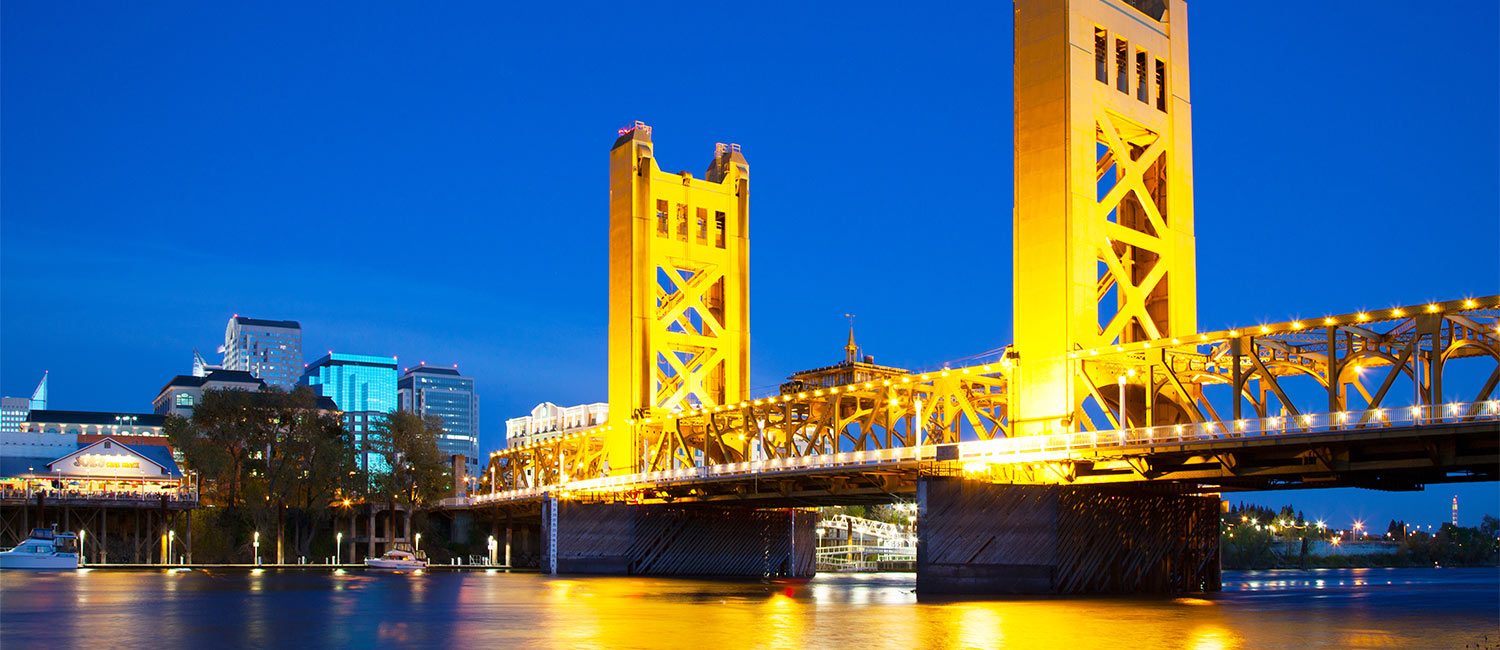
[1087, 456]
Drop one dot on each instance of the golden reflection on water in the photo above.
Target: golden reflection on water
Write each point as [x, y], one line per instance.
[358, 609]
[1212, 637]
[979, 626]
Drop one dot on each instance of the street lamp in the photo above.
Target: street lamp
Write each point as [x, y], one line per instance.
[171, 537]
[338, 548]
[257, 548]
[418, 545]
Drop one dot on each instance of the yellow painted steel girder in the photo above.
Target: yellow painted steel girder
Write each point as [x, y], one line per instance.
[1283, 370]
[679, 268]
[1104, 249]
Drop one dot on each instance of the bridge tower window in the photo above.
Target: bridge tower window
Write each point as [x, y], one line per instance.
[1122, 65]
[1101, 54]
[1161, 85]
[1142, 77]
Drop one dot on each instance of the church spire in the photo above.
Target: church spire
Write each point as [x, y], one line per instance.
[851, 350]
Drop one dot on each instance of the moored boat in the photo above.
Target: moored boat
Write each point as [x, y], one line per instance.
[398, 559]
[44, 549]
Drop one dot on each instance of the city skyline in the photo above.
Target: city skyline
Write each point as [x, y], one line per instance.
[500, 319]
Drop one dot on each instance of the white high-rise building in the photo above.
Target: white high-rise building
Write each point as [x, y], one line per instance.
[270, 350]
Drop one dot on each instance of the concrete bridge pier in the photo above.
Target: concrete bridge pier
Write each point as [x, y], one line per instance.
[676, 540]
[976, 537]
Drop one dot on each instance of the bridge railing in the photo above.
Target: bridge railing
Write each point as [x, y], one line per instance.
[864, 527]
[1036, 448]
[1277, 426]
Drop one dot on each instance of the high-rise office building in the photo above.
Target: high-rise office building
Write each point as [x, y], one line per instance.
[14, 410]
[429, 390]
[271, 350]
[364, 388]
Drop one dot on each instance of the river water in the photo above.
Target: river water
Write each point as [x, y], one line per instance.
[1335, 608]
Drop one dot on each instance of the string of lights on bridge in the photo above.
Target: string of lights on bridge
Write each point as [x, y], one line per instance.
[1205, 338]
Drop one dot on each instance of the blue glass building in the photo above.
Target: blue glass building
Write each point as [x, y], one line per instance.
[443, 392]
[364, 388]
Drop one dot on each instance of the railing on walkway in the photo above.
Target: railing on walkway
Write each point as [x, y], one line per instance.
[1028, 449]
[68, 497]
[862, 557]
[868, 528]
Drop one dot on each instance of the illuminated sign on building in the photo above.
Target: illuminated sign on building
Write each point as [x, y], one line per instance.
[103, 461]
[107, 459]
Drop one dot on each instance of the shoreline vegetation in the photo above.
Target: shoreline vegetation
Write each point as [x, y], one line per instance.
[281, 478]
[1256, 537]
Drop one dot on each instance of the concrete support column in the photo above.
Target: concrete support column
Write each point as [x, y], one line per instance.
[982, 538]
[677, 540]
[370, 533]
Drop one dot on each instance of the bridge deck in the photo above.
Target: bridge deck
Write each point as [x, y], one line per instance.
[1318, 451]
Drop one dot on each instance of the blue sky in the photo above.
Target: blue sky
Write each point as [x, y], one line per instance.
[431, 181]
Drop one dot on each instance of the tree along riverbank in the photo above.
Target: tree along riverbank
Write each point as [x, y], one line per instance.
[1253, 537]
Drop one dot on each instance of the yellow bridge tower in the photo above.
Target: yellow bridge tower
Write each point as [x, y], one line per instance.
[1104, 197]
[679, 313]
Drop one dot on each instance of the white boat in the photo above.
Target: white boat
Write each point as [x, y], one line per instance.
[398, 559]
[45, 549]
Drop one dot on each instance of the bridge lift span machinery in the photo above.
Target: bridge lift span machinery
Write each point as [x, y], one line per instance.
[1107, 345]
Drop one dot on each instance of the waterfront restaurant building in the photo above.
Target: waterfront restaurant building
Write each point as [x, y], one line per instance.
[90, 453]
[103, 469]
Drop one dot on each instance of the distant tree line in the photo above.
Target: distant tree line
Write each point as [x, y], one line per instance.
[272, 461]
[1257, 537]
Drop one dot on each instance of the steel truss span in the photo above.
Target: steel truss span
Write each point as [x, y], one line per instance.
[1393, 398]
